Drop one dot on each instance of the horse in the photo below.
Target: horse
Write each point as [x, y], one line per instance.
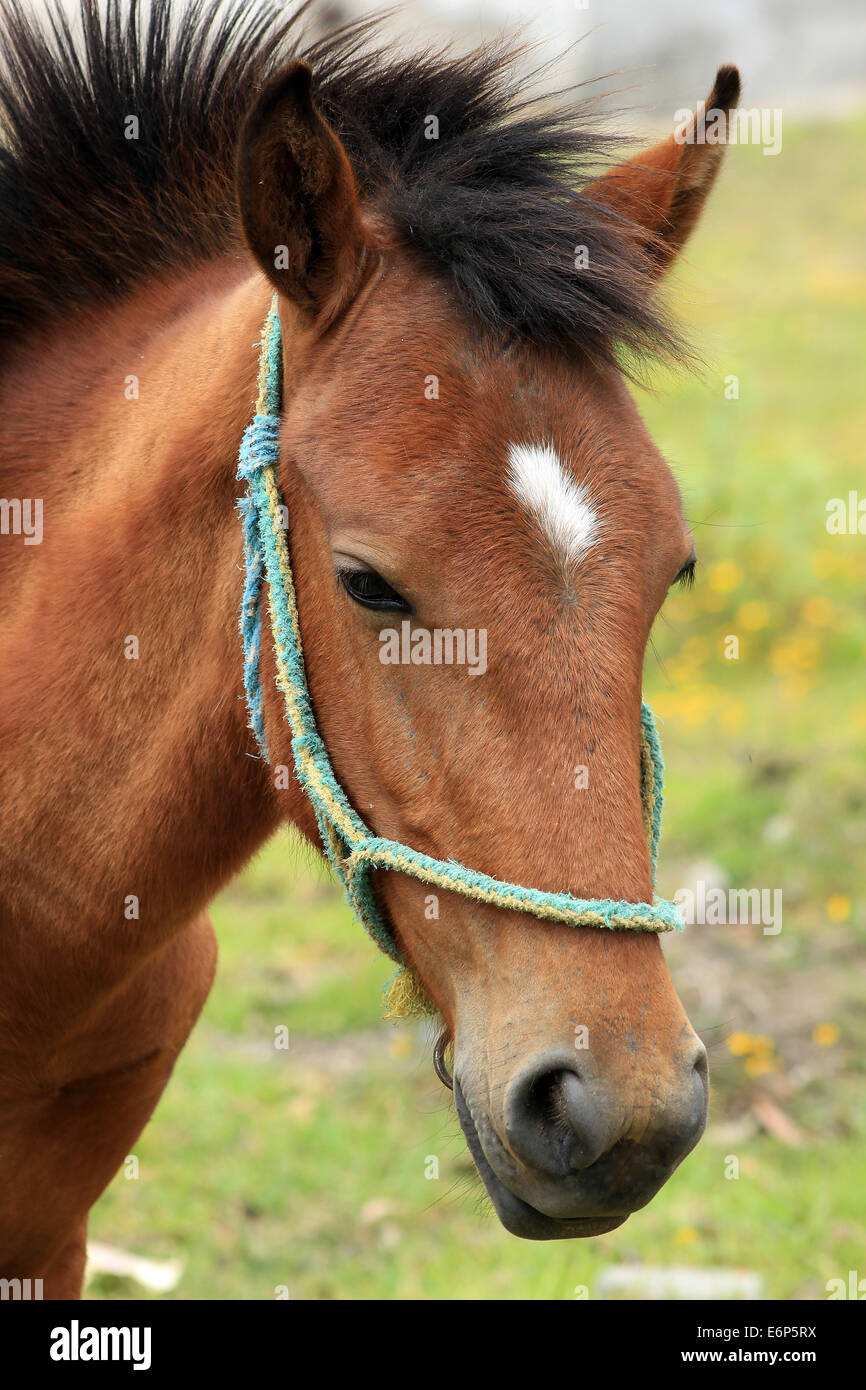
[464, 281]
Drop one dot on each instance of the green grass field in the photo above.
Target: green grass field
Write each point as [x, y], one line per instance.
[308, 1169]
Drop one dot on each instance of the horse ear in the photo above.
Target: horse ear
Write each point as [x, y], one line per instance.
[298, 198]
[661, 193]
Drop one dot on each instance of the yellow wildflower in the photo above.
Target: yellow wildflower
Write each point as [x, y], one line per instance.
[724, 576]
[825, 1034]
[838, 907]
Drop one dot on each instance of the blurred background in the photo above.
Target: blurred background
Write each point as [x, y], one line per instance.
[336, 1168]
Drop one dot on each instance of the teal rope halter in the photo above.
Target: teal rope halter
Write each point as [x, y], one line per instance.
[351, 846]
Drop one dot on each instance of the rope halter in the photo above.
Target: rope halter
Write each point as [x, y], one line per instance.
[352, 848]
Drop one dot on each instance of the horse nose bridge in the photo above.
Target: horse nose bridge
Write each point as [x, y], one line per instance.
[562, 827]
[558, 805]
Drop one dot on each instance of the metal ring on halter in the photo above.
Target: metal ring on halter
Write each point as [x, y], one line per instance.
[439, 1060]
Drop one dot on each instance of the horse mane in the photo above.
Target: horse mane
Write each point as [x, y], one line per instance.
[492, 205]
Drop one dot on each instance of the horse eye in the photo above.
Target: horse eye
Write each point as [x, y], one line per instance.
[370, 590]
[686, 576]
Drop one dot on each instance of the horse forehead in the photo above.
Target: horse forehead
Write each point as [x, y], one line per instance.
[567, 513]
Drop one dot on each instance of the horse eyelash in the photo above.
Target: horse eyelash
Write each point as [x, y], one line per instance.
[686, 576]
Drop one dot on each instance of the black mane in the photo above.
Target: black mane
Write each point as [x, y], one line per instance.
[492, 204]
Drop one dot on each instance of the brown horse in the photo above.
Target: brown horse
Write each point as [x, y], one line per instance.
[459, 449]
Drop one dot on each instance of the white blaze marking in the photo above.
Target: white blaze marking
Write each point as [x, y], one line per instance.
[561, 506]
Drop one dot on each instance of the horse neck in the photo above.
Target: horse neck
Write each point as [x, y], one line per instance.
[124, 658]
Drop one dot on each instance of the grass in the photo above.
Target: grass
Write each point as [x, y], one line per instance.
[314, 1169]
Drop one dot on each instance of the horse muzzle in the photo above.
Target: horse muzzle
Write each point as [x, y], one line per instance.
[564, 1153]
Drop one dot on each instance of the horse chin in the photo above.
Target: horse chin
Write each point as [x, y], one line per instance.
[517, 1216]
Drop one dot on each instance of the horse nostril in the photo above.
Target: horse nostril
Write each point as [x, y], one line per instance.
[683, 1124]
[701, 1070]
[559, 1123]
[553, 1123]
